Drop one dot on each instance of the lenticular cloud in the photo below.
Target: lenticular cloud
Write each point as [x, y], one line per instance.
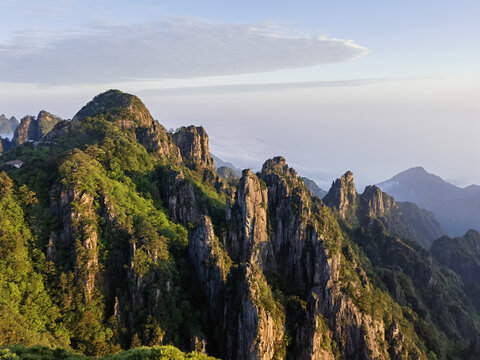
[172, 48]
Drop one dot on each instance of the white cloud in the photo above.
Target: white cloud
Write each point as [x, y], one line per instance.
[171, 48]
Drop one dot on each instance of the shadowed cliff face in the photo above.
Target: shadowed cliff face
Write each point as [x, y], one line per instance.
[228, 174]
[462, 255]
[5, 145]
[27, 130]
[403, 219]
[34, 129]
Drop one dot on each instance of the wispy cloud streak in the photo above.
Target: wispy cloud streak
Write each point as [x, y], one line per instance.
[247, 88]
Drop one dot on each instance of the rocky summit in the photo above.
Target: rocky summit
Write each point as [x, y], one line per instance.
[116, 234]
[34, 129]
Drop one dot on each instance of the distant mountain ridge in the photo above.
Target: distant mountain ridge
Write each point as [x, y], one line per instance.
[220, 163]
[314, 188]
[457, 209]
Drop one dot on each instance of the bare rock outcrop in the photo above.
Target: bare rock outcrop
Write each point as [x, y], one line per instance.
[276, 233]
[180, 198]
[211, 262]
[249, 243]
[78, 236]
[403, 219]
[193, 144]
[26, 130]
[239, 298]
[342, 196]
[34, 129]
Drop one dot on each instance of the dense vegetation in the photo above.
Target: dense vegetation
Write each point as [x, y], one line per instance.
[94, 260]
[50, 301]
[142, 353]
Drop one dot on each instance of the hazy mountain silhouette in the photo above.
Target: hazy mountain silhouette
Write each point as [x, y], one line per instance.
[457, 209]
[220, 163]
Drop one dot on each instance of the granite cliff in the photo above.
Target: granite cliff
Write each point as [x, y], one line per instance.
[34, 129]
[403, 218]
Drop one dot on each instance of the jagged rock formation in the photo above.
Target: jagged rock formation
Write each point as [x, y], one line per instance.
[247, 244]
[7, 125]
[304, 255]
[46, 123]
[144, 244]
[342, 196]
[26, 130]
[236, 299]
[401, 263]
[462, 255]
[34, 129]
[275, 232]
[212, 263]
[193, 144]
[180, 198]
[239, 297]
[403, 219]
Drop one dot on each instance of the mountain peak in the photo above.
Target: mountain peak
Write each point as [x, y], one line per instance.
[34, 129]
[342, 195]
[417, 169]
[455, 208]
[118, 103]
[43, 113]
[193, 144]
[278, 165]
[276, 170]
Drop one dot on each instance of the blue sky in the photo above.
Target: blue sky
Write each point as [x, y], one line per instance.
[369, 86]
